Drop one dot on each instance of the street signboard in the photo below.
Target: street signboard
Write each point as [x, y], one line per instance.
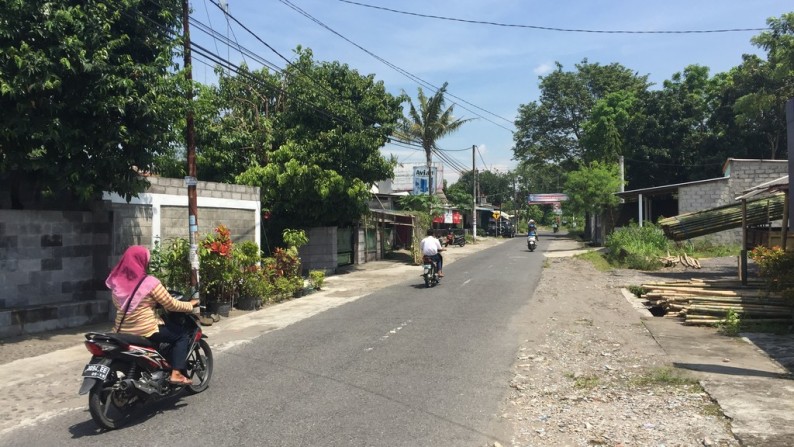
[539, 199]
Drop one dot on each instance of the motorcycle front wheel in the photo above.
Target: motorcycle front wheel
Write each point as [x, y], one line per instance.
[109, 405]
[199, 367]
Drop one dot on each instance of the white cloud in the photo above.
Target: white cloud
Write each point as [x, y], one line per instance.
[543, 69]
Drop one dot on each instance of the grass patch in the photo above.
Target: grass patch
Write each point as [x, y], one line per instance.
[638, 291]
[641, 248]
[714, 410]
[597, 259]
[586, 382]
[664, 376]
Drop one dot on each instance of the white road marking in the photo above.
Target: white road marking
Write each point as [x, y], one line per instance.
[391, 331]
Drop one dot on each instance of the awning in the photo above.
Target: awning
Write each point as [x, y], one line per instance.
[393, 217]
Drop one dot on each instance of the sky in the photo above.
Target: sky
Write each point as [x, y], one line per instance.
[491, 69]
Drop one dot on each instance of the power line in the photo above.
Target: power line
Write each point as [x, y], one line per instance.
[405, 73]
[481, 159]
[549, 28]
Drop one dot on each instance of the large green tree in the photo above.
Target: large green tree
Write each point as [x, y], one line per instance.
[321, 153]
[550, 130]
[762, 110]
[85, 94]
[429, 121]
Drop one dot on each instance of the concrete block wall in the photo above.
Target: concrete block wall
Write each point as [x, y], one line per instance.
[745, 174]
[53, 264]
[320, 252]
[132, 225]
[177, 187]
[48, 257]
[241, 223]
[703, 196]
[740, 175]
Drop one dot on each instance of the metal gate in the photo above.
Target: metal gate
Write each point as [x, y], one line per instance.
[344, 246]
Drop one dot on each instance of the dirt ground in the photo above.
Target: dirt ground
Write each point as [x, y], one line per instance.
[590, 373]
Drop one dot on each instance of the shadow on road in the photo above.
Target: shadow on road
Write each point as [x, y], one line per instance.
[730, 370]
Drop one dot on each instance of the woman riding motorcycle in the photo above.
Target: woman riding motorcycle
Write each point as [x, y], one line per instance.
[135, 295]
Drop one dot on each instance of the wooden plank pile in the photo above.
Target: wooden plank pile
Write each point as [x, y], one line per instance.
[684, 259]
[707, 302]
[699, 223]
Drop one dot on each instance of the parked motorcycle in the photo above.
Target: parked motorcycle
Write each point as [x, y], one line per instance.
[430, 272]
[455, 239]
[555, 227]
[532, 241]
[128, 370]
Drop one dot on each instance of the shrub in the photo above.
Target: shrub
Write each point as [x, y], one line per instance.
[217, 268]
[775, 265]
[170, 264]
[637, 247]
[316, 279]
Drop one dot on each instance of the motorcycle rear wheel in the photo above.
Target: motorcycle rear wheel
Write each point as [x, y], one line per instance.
[108, 404]
[199, 367]
[427, 278]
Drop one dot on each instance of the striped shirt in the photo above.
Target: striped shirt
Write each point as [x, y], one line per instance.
[143, 320]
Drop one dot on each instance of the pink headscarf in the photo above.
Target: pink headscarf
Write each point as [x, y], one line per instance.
[130, 270]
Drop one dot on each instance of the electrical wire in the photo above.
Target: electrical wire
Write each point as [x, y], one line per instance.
[405, 73]
[549, 28]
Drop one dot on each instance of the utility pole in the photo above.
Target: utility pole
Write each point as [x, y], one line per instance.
[474, 194]
[190, 180]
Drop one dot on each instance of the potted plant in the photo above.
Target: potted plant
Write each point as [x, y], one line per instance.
[253, 289]
[218, 271]
[316, 279]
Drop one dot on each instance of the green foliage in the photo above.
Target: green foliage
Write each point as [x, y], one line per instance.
[170, 264]
[548, 130]
[597, 259]
[218, 269]
[731, 324]
[637, 247]
[422, 203]
[664, 376]
[87, 98]
[294, 238]
[638, 291]
[316, 279]
[776, 266]
[592, 188]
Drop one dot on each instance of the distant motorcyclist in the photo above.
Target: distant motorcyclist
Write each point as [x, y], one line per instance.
[431, 247]
[533, 228]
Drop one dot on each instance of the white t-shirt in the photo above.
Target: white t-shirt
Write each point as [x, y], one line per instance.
[430, 246]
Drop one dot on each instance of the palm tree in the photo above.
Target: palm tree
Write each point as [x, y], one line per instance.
[428, 124]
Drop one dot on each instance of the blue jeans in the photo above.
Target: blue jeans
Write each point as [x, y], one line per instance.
[179, 340]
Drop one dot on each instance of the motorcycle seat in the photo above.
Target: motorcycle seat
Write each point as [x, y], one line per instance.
[121, 339]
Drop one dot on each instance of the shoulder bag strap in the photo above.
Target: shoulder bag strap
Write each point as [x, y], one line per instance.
[127, 307]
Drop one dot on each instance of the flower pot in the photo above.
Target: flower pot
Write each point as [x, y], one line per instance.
[247, 303]
[221, 309]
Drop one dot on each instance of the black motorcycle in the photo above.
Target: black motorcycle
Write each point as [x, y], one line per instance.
[430, 270]
[127, 370]
[455, 239]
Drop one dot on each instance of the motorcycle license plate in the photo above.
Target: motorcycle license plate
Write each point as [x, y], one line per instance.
[96, 371]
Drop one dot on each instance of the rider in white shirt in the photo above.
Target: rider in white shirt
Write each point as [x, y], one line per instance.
[431, 247]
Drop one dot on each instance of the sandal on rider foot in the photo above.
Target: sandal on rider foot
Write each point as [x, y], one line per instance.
[185, 381]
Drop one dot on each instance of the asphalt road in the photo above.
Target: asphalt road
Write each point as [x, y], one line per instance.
[403, 366]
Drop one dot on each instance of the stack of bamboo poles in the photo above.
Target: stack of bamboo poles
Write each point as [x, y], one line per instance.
[704, 302]
[699, 223]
